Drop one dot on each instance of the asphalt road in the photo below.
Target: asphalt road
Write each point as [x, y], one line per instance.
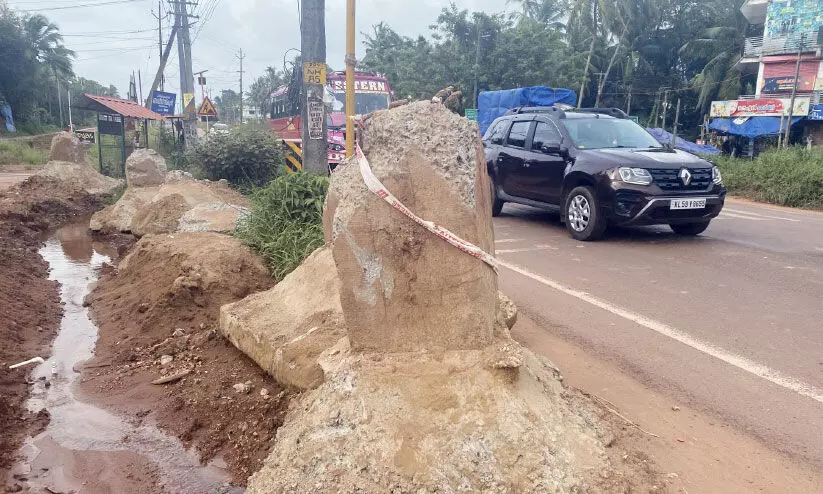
[730, 322]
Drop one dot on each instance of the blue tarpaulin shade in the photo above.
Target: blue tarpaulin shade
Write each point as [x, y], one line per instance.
[493, 104]
[664, 137]
[752, 127]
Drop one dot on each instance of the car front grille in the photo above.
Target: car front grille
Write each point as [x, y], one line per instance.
[669, 179]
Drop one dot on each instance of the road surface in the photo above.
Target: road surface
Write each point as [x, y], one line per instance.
[7, 179]
[729, 324]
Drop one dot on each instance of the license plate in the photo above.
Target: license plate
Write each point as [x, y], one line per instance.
[688, 203]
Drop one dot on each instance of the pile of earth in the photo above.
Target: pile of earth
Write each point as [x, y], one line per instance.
[30, 309]
[82, 176]
[157, 314]
[161, 201]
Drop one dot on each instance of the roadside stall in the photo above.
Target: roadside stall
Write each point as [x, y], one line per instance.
[122, 127]
[749, 126]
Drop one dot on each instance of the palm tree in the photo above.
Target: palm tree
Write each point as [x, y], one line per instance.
[549, 12]
[45, 44]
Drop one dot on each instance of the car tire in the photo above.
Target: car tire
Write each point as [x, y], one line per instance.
[497, 204]
[690, 229]
[582, 214]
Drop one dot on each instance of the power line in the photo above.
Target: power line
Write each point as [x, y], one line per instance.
[82, 5]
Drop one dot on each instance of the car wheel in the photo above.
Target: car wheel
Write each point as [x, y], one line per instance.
[584, 219]
[497, 204]
[690, 229]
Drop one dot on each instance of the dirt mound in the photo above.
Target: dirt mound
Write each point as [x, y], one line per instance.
[157, 314]
[30, 308]
[82, 176]
[206, 206]
[66, 147]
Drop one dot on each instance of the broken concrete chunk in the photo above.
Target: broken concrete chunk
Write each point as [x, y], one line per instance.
[166, 359]
[145, 167]
[404, 288]
[66, 147]
[506, 309]
[286, 328]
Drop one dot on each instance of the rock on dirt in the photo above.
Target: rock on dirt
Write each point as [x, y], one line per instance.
[66, 147]
[180, 281]
[30, 308]
[176, 203]
[82, 176]
[403, 288]
[285, 329]
[145, 167]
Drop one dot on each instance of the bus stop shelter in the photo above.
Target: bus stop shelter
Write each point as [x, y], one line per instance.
[116, 119]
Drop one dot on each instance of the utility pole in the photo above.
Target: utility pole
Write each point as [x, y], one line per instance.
[313, 113]
[351, 64]
[184, 56]
[160, 18]
[68, 105]
[676, 122]
[163, 59]
[241, 57]
[794, 92]
[140, 83]
[60, 101]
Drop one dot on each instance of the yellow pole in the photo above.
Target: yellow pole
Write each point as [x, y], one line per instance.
[350, 63]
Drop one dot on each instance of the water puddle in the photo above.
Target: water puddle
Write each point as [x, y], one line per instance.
[85, 448]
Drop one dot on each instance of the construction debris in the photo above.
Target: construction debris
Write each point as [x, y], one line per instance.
[82, 176]
[145, 167]
[68, 148]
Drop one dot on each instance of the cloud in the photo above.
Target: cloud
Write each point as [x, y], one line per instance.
[264, 29]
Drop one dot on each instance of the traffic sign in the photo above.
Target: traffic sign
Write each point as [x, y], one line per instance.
[207, 109]
[471, 114]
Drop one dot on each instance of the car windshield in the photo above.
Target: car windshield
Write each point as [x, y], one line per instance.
[608, 133]
[363, 102]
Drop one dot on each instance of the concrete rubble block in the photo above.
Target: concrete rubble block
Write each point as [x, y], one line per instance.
[285, 329]
[402, 287]
[506, 310]
[66, 147]
[145, 167]
[82, 175]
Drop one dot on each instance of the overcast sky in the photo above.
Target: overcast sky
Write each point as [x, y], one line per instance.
[112, 40]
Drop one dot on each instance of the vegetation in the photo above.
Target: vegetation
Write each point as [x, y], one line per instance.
[34, 64]
[789, 177]
[285, 223]
[247, 157]
[21, 153]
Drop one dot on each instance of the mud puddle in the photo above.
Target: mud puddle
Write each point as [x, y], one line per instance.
[84, 448]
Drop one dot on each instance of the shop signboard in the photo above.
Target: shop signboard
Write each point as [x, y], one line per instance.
[763, 107]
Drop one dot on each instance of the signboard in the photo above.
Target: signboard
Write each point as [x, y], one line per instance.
[360, 86]
[815, 112]
[110, 124]
[634, 119]
[471, 114]
[207, 109]
[766, 107]
[315, 113]
[85, 136]
[163, 103]
[314, 73]
[188, 100]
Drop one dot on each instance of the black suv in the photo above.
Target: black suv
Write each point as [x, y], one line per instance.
[598, 167]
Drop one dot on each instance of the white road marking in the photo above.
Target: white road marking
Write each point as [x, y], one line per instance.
[742, 363]
[508, 240]
[724, 214]
[738, 211]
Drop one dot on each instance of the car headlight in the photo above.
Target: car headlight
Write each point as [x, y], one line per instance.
[717, 178]
[637, 176]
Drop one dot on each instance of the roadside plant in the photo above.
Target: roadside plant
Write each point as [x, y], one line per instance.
[246, 157]
[285, 222]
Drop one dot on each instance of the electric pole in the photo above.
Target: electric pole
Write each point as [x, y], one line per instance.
[163, 59]
[184, 56]
[160, 18]
[313, 113]
[60, 102]
[787, 137]
[241, 57]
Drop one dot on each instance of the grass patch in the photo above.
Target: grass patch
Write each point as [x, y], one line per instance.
[286, 221]
[21, 153]
[788, 177]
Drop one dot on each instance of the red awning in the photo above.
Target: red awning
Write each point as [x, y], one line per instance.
[124, 107]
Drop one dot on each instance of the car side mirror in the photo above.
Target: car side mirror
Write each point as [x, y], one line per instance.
[552, 148]
[497, 140]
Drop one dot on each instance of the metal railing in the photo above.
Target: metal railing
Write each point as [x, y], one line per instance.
[753, 47]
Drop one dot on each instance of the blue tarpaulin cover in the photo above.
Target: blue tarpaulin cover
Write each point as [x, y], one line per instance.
[752, 127]
[5, 111]
[493, 104]
[690, 147]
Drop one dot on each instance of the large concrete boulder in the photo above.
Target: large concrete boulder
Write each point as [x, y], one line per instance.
[402, 287]
[82, 175]
[66, 147]
[145, 167]
[286, 328]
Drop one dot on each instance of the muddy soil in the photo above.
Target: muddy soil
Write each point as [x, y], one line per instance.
[150, 309]
[30, 309]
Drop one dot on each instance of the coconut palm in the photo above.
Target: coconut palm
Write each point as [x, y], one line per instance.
[45, 44]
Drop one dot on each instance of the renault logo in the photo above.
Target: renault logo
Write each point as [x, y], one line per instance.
[685, 176]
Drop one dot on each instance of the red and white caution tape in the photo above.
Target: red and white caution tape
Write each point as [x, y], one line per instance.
[380, 190]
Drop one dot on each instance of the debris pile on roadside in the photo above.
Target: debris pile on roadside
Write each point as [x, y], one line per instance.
[66, 147]
[161, 201]
[425, 391]
[158, 349]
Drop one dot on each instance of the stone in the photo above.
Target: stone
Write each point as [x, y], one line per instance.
[66, 147]
[264, 392]
[171, 346]
[178, 332]
[506, 309]
[145, 167]
[285, 329]
[166, 360]
[402, 287]
[242, 388]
